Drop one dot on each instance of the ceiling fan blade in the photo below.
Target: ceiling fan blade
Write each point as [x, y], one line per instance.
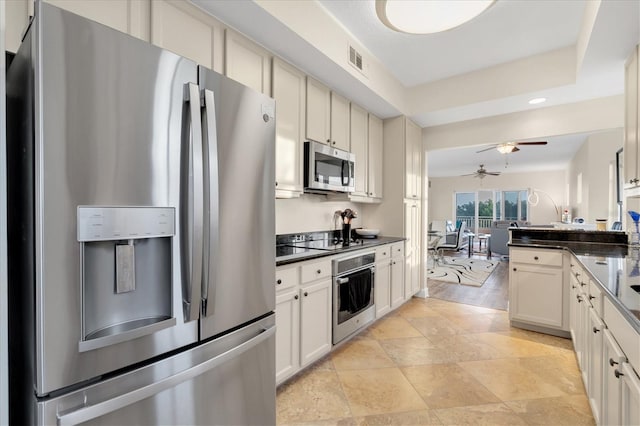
[531, 143]
[486, 149]
[492, 173]
[515, 149]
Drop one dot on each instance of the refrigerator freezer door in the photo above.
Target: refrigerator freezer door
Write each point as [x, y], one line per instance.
[109, 131]
[241, 262]
[229, 380]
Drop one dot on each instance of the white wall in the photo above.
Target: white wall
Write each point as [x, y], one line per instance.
[442, 191]
[312, 213]
[595, 162]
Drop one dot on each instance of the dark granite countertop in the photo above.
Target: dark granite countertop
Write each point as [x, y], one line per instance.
[615, 267]
[292, 255]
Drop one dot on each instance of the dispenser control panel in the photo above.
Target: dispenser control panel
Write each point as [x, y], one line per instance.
[106, 223]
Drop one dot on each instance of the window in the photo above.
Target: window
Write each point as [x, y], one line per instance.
[478, 209]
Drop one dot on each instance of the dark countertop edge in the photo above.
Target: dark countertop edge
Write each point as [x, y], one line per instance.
[631, 319]
[373, 242]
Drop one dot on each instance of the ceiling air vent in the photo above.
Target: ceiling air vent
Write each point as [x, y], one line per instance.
[355, 59]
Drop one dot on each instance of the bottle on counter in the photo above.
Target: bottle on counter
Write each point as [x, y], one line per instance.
[566, 216]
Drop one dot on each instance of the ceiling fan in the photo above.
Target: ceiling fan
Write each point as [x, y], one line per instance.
[509, 147]
[482, 172]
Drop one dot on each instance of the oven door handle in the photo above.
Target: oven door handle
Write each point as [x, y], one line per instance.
[342, 280]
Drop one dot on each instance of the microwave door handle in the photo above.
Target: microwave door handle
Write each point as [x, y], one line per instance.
[344, 183]
[211, 202]
[191, 217]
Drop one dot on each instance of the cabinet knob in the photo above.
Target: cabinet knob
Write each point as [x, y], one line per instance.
[296, 297]
[579, 299]
[279, 282]
[595, 330]
[535, 258]
[612, 362]
[577, 274]
[582, 284]
[573, 286]
[591, 297]
[384, 253]
[306, 294]
[393, 263]
[515, 269]
[334, 142]
[319, 271]
[617, 374]
[276, 183]
[328, 140]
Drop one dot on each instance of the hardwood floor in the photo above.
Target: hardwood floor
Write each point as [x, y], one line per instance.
[493, 294]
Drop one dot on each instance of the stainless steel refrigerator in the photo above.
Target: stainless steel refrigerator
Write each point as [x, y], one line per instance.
[142, 234]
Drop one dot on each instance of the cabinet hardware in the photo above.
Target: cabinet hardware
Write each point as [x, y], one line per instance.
[279, 282]
[328, 140]
[535, 258]
[296, 297]
[384, 253]
[514, 269]
[306, 294]
[582, 284]
[573, 286]
[319, 271]
[276, 183]
[334, 142]
[579, 299]
[595, 330]
[617, 374]
[612, 362]
[591, 297]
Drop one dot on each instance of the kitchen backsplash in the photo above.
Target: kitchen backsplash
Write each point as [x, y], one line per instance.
[311, 213]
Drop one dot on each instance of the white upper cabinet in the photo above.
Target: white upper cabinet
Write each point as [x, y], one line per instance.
[632, 121]
[413, 158]
[289, 91]
[184, 29]
[374, 169]
[318, 111]
[340, 122]
[247, 63]
[359, 141]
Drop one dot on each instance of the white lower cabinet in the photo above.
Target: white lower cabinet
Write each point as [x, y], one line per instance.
[595, 364]
[303, 315]
[613, 357]
[536, 288]
[397, 275]
[629, 396]
[382, 284]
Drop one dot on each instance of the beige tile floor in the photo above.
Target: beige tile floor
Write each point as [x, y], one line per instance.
[434, 362]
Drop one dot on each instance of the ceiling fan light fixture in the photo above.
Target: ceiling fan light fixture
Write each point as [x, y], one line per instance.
[505, 149]
[428, 16]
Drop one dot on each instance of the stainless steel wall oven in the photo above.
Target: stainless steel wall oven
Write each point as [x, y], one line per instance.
[353, 304]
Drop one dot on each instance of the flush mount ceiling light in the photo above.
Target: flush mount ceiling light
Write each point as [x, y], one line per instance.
[428, 16]
[537, 101]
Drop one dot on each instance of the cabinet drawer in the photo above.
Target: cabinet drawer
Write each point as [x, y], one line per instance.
[623, 333]
[383, 252]
[537, 257]
[397, 249]
[595, 297]
[314, 271]
[286, 277]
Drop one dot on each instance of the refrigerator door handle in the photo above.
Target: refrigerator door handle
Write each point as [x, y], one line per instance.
[210, 137]
[192, 212]
[96, 410]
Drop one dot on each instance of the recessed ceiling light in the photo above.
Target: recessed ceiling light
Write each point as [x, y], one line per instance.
[537, 101]
[428, 16]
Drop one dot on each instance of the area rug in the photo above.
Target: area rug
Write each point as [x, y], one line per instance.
[461, 270]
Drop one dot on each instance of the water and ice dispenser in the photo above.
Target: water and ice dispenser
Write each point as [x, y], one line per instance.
[126, 272]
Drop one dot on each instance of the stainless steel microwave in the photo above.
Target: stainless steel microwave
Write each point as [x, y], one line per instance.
[327, 168]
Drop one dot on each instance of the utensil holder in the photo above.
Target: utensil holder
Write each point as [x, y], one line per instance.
[346, 234]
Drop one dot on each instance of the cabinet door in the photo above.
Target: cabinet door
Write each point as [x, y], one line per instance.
[574, 307]
[340, 122]
[612, 358]
[413, 160]
[184, 29]
[318, 111]
[315, 321]
[289, 91]
[374, 171]
[631, 151]
[536, 294]
[359, 147]
[630, 396]
[127, 16]
[397, 281]
[287, 333]
[596, 364]
[412, 248]
[382, 293]
[247, 63]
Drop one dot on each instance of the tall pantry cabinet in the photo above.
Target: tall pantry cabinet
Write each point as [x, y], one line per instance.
[401, 211]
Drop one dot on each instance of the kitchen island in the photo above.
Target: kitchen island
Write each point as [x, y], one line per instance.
[584, 285]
